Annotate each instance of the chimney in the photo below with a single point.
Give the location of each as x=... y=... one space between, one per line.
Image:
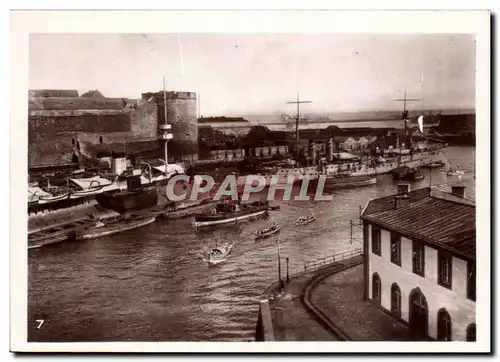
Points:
x=403 y=188
x=401 y=201
x=458 y=190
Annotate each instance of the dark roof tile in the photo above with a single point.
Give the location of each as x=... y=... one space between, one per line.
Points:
x=447 y=223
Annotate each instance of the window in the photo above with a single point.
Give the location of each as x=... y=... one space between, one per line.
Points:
x=376 y=247
x=418 y=258
x=444 y=269
x=396 y=300
x=471 y=280
x=73 y=141
x=396 y=249
x=376 y=288
x=100 y=139
x=443 y=326
x=471 y=333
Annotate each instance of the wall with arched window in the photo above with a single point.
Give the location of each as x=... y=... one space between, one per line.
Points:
x=470 y=335
x=376 y=288
x=444 y=326
x=395 y=300
x=462 y=310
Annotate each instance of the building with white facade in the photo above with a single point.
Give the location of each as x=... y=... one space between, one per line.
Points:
x=420 y=260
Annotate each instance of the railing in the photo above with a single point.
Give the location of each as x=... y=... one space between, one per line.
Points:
x=332 y=259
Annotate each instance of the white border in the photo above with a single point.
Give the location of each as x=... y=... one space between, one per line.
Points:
x=23 y=23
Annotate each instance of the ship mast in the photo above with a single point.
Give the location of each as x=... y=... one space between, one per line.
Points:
x=297 y=120
x=165 y=128
x=405 y=114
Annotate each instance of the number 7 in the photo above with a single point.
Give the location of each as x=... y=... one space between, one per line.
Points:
x=40 y=321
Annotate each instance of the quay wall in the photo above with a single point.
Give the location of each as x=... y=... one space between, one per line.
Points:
x=264 y=331
x=48 y=219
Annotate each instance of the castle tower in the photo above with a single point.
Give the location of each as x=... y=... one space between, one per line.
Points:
x=182 y=124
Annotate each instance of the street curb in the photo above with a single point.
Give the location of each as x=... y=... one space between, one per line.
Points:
x=317 y=313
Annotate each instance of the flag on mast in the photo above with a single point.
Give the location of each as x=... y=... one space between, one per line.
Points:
x=421 y=124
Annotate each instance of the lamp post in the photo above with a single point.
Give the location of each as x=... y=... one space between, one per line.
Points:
x=280 y=282
x=287 y=275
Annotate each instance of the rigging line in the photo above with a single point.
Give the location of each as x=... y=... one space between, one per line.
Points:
x=181 y=57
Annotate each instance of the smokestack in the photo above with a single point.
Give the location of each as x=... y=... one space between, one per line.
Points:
x=118 y=163
x=330 y=149
x=312 y=152
x=458 y=190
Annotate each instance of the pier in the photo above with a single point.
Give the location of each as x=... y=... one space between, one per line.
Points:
x=325 y=303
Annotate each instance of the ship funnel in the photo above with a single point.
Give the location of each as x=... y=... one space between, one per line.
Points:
x=330 y=149
x=118 y=163
x=312 y=152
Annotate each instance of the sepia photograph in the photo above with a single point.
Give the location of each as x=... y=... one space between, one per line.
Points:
x=272 y=186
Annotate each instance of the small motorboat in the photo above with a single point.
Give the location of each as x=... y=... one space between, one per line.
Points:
x=225 y=213
x=304 y=220
x=454 y=172
x=435 y=164
x=263 y=233
x=218 y=254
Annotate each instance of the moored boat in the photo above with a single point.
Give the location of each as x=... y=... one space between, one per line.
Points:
x=100 y=229
x=135 y=197
x=89 y=192
x=304 y=220
x=53 y=195
x=225 y=213
x=264 y=233
x=342 y=181
x=407 y=173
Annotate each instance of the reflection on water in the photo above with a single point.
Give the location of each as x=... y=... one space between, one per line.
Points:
x=151 y=284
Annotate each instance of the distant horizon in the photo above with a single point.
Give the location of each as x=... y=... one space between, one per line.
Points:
x=365 y=114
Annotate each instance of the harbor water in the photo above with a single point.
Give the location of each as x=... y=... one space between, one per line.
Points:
x=151 y=284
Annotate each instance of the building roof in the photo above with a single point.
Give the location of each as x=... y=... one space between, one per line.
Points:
x=447 y=222
x=73 y=103
x=53 y=93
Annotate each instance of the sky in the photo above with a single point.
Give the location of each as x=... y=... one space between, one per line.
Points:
x=258 y=73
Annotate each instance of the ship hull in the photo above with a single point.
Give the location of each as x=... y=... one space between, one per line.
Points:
x=356 y=169
x=123 y=202
x=115 y=228
x=208 y=220
x=350 y=182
